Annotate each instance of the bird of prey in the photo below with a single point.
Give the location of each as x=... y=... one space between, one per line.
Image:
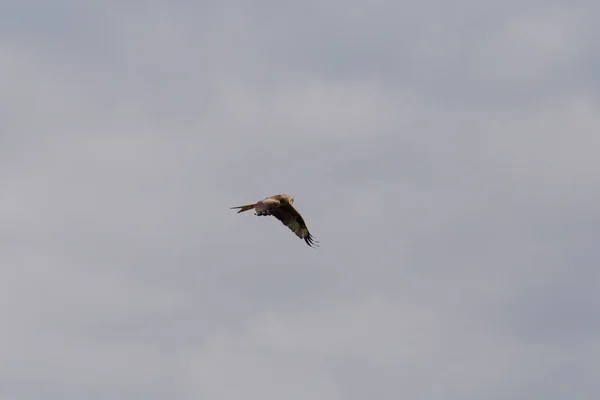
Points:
x=280 y=206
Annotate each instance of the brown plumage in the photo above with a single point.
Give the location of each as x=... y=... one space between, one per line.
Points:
x=280 y=206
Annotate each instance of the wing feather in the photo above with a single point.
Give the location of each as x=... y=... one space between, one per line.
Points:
x=265 y=206
x=291 y=218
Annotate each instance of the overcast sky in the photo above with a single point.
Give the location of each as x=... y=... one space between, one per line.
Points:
x=445 y=154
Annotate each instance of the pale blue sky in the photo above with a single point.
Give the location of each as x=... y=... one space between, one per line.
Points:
x=445 y=156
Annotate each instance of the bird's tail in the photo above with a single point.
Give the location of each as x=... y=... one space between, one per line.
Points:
x=244 y=208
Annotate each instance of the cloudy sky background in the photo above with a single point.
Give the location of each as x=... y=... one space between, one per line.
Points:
x=445 y=154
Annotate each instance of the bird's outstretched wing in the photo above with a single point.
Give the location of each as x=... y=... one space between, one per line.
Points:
x=289 y=216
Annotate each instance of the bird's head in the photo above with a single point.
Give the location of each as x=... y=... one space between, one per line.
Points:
x=285 y=199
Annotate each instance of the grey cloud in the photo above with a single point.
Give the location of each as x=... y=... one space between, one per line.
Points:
x=444 y=155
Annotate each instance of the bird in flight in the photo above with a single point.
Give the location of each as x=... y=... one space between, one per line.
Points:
x=280 y=206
